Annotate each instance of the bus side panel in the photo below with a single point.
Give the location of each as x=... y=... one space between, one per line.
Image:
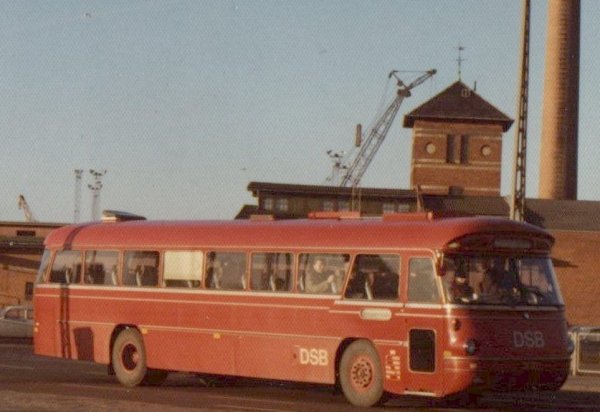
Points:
x=190 y=351
x=287 y=358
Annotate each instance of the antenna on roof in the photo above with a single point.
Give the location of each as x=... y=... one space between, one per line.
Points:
x=460 y=60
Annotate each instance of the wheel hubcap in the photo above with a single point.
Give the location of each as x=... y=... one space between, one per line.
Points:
x=361 y=373
x=130 y=357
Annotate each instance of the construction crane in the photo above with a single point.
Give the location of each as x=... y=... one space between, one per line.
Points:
x=376 y=136
x=517 y=205
x=26 y=210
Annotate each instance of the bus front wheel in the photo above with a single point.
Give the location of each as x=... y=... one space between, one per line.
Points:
x=129 y=361
x=360 y=374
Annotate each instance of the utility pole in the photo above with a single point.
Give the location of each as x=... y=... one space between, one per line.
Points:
x=517 y=206
x=96 y=187
x=77 y=208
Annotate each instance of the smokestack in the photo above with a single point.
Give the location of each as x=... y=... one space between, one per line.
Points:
x=558 y=160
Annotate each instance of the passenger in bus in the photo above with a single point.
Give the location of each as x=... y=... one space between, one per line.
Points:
x=461 y=291
x=318 y=279
x=214 y=275
x=496 y=283
x=357 y=287
x=384 y=284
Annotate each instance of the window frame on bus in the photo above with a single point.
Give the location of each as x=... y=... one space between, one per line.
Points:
x=115 y=274
x=183 y=282
x=368 y=284
x=332 y=289
x=139 y=277
x=271 y=285
x=209 y=280
x=66 y=281
x=439 y=298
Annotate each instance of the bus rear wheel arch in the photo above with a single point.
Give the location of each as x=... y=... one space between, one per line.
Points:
x=129 y=360
x=360 y=374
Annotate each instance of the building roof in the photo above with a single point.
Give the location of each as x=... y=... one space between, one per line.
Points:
x=458 y=103
x=298 y=189
x=550 y=214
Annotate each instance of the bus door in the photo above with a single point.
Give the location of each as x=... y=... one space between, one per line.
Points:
x=424 y=326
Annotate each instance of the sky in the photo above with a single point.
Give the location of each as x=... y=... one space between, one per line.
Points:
x=183 y=103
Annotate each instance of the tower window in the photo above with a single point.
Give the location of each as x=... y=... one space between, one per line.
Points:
x=457 y=149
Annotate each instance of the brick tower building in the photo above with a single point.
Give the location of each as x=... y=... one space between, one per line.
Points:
x=457 y=144
x=558 y=170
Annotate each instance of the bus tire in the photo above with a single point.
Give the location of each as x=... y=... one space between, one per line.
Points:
x=360 y=374
x=129 y=358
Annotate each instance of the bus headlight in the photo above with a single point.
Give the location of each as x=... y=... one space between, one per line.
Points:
x=470 y=347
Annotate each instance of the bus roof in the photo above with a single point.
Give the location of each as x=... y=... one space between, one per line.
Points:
x=394 y=232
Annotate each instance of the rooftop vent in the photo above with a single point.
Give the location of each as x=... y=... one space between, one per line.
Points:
x=110 y=216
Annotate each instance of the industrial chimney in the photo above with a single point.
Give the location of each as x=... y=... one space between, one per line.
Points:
x=558 y=161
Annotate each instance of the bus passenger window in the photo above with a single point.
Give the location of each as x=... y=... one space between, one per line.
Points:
x=101 y=267
x=183 y=269
x=140 y=268
x=271 y=271
x=322 y=273
x=226 y=270
x=66 y=267
x=374 y=277
x=422 y=285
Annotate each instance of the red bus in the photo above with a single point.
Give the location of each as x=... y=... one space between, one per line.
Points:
x=407 y=304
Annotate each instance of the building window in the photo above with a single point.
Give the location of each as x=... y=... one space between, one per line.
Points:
x=28 y=291
x=268 y=203
x=430 y=148
x=328 y=205
x=25 y=232
x=282 y=205
x=486 y=150
x=388 y=208
x=343 y=206
x=403 y=207
x=457 y=149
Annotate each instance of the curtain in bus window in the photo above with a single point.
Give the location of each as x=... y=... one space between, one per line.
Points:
x=182 y=269
x=374 y=277
x=66 y=267
x=422 y=285
x=271 y=271
x=140 y=268
x=226 y=270
x=101 y=267
x=322 y=273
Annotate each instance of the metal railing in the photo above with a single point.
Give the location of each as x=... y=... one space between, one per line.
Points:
x=586 y=356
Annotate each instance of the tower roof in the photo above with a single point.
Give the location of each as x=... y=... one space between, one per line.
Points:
x=458 y=103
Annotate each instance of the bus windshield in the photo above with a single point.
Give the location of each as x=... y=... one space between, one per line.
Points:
x=500 y=280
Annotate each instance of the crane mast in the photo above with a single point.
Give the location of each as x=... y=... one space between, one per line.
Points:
x=378 y=132
x=26 y=210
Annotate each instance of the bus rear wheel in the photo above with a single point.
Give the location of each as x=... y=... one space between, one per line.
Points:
x=360 y=374
x=129 y=361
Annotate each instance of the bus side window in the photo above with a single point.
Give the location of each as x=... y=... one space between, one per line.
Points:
x=322 y=273
x=422 y=285
x=140 y=268
x=226 y=270
x=66 y=268
x=100 y=267
x=183 y=269
x=374 y=277
x=271 y=271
